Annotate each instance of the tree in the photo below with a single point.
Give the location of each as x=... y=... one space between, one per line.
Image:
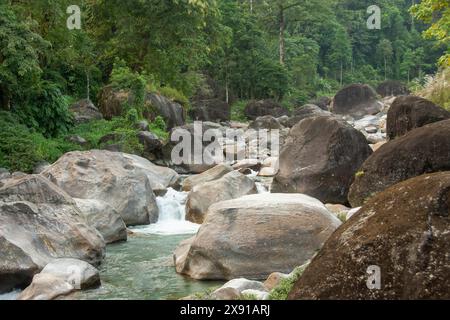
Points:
x=20 y=49
x=384 y=49
x=437 y=14
x=167 y=39
x=340 y=52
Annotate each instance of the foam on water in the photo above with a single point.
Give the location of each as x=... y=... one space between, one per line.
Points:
x=10 y=295
x=172 y=216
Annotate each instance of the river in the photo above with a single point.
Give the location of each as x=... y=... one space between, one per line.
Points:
x=142 y=268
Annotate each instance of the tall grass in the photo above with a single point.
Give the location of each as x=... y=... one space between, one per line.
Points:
x=437 y=88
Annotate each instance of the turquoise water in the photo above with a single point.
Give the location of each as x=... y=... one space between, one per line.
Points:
x=142 y=269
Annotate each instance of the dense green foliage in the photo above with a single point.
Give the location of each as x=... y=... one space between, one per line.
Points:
x=290 y=50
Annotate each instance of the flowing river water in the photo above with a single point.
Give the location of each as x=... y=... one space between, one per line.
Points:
x=142 y=268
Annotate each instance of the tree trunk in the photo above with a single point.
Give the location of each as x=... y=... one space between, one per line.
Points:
x=342 y=73
x=282 y=24
x=88 y=91
x=227 y=90
x=385 y=69
x=4 y=99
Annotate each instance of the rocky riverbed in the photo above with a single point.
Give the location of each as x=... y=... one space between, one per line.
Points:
x=341 y=195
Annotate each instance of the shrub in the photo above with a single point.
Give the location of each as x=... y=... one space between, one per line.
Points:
x=47 y=111
x=281 y=292
x=237 y=111
x=175 y=95
x=122 y=78
x=158 y=127
x=21 y=148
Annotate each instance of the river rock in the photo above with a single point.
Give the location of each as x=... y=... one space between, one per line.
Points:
x=40 y=167
x=214 y=110
x=392 y=88
x=38 y=223
x=410 y=112
x=75 y=139
x=286 y=230
x=255 y=109
x=322 y=102
x=242 y=284
x=193 y=132
x=320 y=158
x=422 y=150
x=61 y=277
x=126 y=182
x=274 y=280
x=265 y=122
x=304 y=112
x=212 y=174
x=172 y=112
x=227 y=294
x=405 y=231
x=103 y=217
x=4 y=174
x=150 y=141
x=231 y=186
x=356 y=100
x=85 y=111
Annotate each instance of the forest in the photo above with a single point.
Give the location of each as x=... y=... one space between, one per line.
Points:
x=287 y=50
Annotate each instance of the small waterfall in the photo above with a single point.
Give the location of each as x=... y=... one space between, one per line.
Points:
x=261 y=188
x=172 y=216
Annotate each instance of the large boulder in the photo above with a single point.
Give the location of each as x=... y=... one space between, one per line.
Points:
x=320 y=159
x=255 y=109
x=172 y=112
x=214 y=110
x=231 y=186
x=124 y=181
x=322 y=102
x=404 y=231
x=212 y=174
x=111 y=101
x=85 y=111
x=410 y=112
x=304 y=112
x=38 y=223
x=357 y=101
x=193 y=133
x=61 y=277
x=265 y=122
x=392 y=88
x=152 y=144
x=103 y=217
x=254 y=236
x=423 y=150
